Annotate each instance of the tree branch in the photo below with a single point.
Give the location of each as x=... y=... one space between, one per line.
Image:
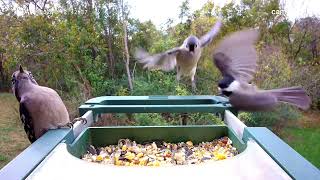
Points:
x=300 y=45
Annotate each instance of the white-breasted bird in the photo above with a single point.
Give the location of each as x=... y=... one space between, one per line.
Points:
x=185 y=58
x=236 y=58
x=41 y=108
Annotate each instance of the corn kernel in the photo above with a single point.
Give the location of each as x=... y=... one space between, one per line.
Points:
x=156 y=163
x=221 y=156
x=189 y=143
x=118 y=163
x=99 y=158
x=124 y=148
x=139 y=155
x=130 y=156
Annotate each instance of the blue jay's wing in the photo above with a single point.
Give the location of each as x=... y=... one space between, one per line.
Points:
x=27 y=122
x=236 y=55
x=165 y=61
x=207 y=38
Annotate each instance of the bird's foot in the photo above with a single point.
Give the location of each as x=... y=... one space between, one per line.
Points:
x=71 y=123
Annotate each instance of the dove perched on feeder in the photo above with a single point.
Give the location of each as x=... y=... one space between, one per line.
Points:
x=185 y=58
x=40 y=107
x=236 y=58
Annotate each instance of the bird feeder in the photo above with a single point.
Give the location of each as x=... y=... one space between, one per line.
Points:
x=262 y=155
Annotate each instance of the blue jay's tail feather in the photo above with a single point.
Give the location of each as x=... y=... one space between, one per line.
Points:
x=293 y=95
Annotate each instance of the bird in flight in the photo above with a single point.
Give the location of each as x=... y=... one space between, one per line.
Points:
x=236 y=58
x=184 y=58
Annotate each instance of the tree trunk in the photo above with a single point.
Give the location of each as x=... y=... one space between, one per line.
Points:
x=1 y=72
x=108 y=37
x=86 y=84
x=125 y=37
x=300 y=45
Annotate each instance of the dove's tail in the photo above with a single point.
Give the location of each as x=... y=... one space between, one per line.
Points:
x=296 y=96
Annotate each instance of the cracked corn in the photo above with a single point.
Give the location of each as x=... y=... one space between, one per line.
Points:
x=129 y=153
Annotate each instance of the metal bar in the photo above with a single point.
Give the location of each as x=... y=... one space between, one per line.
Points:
x=22 y=165
x=234 y=123
x=78 y=127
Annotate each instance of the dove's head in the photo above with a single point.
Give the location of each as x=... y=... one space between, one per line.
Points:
x=192 y=43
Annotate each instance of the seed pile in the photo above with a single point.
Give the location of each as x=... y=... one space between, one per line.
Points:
x=129 y=153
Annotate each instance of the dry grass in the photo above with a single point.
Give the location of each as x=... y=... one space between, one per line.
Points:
x=13 y=139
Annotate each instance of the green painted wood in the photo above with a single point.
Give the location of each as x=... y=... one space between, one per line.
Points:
x=98 y=109
x=290 y=161
x=238 y=143
x=120 y=100
x=102 y=136
x=156 y=104
x=21 y=166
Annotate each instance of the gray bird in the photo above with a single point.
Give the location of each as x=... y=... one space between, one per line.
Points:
x=236 y=58
x=185 y=58
x=41 y=108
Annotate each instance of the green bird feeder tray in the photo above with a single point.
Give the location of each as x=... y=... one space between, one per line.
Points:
x=57 y=154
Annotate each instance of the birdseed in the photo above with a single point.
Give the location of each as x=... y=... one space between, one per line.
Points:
x=129 y=153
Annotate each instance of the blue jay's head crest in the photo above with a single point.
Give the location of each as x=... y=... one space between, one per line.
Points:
x=192 y=43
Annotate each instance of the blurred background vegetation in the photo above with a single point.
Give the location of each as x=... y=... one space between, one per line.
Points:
x=78 y=48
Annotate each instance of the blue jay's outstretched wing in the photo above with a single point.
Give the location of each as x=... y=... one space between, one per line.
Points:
x=207 y=38
x=165 y=61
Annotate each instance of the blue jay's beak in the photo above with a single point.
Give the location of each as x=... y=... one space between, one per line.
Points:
x=191 y=47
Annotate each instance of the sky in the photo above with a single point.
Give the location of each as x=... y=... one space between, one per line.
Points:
x=159 y=11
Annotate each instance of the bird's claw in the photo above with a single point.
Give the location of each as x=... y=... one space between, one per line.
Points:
x=70 y=124
x=83 y=120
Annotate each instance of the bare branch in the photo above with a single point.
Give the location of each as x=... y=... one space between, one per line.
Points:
x=300 y=44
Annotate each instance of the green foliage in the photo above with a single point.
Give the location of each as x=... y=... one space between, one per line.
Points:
x=204 y=119
x=269 y=119
x=70 y=48
x=274 y=69
x=3 y=158
x=150 y=119
x=305 y=141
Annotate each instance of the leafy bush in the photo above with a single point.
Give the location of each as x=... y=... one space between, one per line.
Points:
x=149 y=119
x=281 y=113
x=146 y=119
